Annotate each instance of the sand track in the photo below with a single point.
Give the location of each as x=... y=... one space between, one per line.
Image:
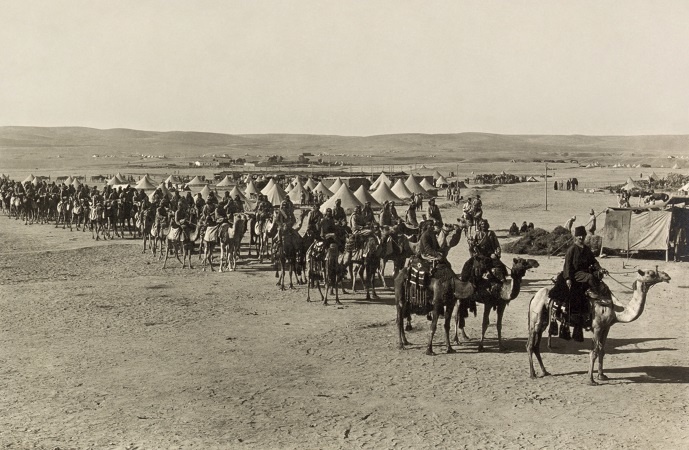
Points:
x=101 y=348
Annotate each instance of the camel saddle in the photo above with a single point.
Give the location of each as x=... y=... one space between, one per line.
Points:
x=572 y=307
x=419 y=280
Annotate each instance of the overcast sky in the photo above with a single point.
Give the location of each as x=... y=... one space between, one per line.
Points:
x=348 y=67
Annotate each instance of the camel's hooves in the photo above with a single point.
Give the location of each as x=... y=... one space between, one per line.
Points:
x=481 y=349
x=592 y=383
x=545 y=374
x=408 y=328
x=603 y=377
x=430 y=353
x=337 y=302
x=451 y=350
x=401 y=347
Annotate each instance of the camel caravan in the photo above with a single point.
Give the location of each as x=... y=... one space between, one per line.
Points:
x=337 y=237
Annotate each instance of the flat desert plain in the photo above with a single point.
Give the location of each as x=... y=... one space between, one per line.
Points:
x=102 y=348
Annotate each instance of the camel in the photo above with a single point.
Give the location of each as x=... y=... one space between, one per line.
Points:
x=144 y=223
x=444 y=287
x=96 y=221
x=176 y=238
x=604 y=315
x=211 y=236
x=64 y=213
x=487 y=295
x=230 y=241
x=324 y=264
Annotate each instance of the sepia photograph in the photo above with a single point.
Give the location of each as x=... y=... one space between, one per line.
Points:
x=344 y=224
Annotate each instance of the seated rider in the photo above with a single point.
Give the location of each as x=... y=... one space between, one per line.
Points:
x=485 y=252
x=286 y=216
x=356 y=220
x=315 y=217
x=160 y=218
x=429 y=248
x=339 y=214
x=367 y=214
x=581 y=266
x=329 y=229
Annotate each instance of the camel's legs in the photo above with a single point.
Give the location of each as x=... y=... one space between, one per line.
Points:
x=596 y=348
x=484 y=326
x=402 y=338
x=604 y=338
x=533 y=344
x=434 y=326
x=498 y=326
x=459 y=325
x=448 y=324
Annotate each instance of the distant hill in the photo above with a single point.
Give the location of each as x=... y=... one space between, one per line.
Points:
x=444 y=147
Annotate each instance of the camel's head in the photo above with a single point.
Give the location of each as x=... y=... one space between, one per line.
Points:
x=652 y=277
x=521 y=265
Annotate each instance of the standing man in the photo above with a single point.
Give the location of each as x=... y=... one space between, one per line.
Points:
x=591 y=224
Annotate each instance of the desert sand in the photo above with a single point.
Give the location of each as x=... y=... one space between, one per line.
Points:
x=102 y=348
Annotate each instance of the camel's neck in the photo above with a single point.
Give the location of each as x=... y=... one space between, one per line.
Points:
x=510 y=290
x=636 y=306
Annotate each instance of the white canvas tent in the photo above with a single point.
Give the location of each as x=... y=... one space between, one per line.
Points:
x=115 y=180
x=400 y=190
x=310 y=184
x=227 y=181
x=382 y=178
x=349 y=201
x=295 y=193
x=276 y=195
x=441 y=182
x=173 y=179
x=336 y=185
x=235 y=192
x=251 y=189
x=268 y=186
x=29 y=179
x=196 y=181
x=630 y=185
x=364 y=196
x=384 y=194
x=320 y=187
x=426 y=185
x=414 y=187
x=145 y=183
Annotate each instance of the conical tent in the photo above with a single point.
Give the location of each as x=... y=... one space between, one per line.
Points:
x=364 y=196
x=295 y=193
x=76 y=183
x=205 y=192
x=235 y=192
x=441 y=181
x=349 y=201
x=35 y=181
x=196 y=181
x=145 y=183
x=251 y=188
x=29 y=179
x=289 y=188
x=336 y=185
x=115 y=180
x=531 y=179
x=400 y=190
x=382 y=178
x=654 y=177
x=675 y=166
x=384 y=194
x=320 y=187
x=268 y=186
x=426 y=185
x=276 y=195
x=227 y=181
x=310 y=184
x=173 y=179
x=437 y=175
x=69 y=180
x=414 y=186
x=163 y=188
x=630 y=185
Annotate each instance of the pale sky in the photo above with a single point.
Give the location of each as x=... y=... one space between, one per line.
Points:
x=348 y=67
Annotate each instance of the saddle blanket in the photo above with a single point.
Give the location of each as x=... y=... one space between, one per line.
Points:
x=211 y=234
x=174 y=234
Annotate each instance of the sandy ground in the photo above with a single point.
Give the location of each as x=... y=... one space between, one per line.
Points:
x=101 y=348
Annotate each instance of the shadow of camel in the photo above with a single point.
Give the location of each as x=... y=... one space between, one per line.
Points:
x=612 y=347
x=651 y=374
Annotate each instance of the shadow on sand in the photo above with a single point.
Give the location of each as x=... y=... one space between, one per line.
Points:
x=650 y=374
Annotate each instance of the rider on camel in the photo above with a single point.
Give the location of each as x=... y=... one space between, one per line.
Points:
x=429 y=248
x=367 y=214
x=356 y=220
x=485 y=252
x=434 y=212
x=339 y=214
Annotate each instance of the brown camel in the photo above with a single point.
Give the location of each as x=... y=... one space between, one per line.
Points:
x=444 y=286
x=493 y=296
x=604 y=314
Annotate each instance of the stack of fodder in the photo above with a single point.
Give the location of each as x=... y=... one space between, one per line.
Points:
x=540 y=242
